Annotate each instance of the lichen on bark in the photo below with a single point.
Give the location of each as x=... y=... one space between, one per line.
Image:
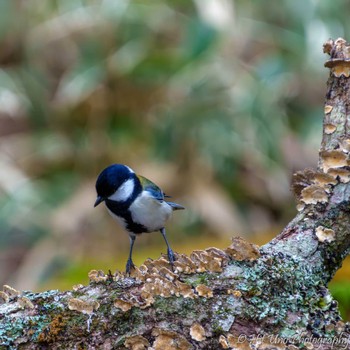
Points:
x=242 y=297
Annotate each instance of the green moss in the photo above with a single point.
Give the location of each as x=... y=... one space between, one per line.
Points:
x=217 y=330
x=124 y=322
x=166 y=307
x=200 y=278
x=115 y=293
x=275 y=286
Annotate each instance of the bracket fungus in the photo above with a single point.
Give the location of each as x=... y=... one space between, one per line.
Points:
x=241 y=250
x=123 y=305
x=76 y=287
x=325 y=234
x=235 y=293
x=339 y=63
x=84 y=306
x=328 y=109
x=184 y=264
x=137 y=342
x=205 y=262
x=156 y=279
x=204 y=291
x=185 y=290
x=342 y=174
x=169 y=340
x=333 y=159
x=344 y=144
x=314 y=194
x=339 y=67
x=4 y=298
x=11 y=292
x=197 y=332
x=25 y=303
x=231 y=342
x=223 y=342
x=324 y=180
x=329 y=128
x=312 y=187
x=97 y=276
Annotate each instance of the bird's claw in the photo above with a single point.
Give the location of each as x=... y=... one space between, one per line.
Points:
x=171 y=257
x=129 y=265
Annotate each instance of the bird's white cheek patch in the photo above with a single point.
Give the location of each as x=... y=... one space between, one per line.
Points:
x=124 y=192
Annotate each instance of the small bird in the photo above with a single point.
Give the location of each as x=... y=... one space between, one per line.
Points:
x=136 y=203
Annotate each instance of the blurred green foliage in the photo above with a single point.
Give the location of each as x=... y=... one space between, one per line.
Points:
x=217 y=101
x=340 y=292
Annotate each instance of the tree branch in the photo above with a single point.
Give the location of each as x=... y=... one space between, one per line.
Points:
x=240 y=297
x=320 y=232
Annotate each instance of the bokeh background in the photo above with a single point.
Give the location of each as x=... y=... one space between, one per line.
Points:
x=217 y=101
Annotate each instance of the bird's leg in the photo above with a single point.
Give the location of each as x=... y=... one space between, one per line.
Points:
x=171 y=255
x=129 y=263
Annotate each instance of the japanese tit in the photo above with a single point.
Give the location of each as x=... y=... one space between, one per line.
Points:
x=136 y=203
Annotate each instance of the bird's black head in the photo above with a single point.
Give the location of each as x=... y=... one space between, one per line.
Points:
x=110 y=179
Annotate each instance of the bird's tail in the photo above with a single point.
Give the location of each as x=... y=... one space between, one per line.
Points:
x=176 y=206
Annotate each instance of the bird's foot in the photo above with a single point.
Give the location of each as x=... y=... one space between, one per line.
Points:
x=129 y=265
x=171 y=257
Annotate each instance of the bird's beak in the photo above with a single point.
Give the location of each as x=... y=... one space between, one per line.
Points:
x=99 y=199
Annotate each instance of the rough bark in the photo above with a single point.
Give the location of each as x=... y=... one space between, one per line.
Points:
x=275 y=297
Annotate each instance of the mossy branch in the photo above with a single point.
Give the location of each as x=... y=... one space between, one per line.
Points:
x=320 y=232
x=241 y=297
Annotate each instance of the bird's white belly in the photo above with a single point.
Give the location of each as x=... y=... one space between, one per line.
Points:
x=150 y=212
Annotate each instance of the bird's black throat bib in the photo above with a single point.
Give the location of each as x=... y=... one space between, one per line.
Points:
x=121 y=209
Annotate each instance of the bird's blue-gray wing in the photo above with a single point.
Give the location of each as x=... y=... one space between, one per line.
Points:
x=175 y=206
x=156 y=192
x=151 y=187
